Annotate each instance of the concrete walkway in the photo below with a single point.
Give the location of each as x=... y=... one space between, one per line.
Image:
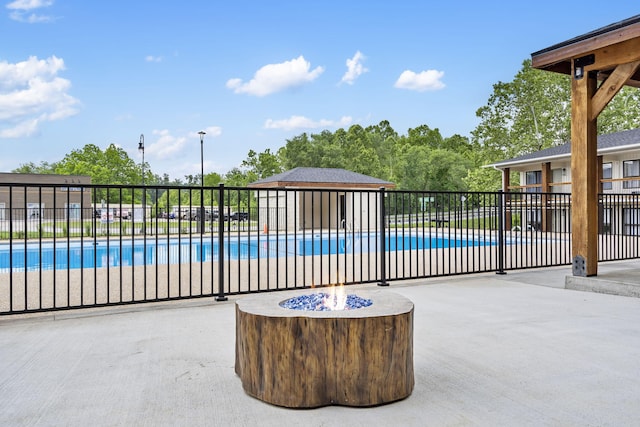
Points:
x=489 y=350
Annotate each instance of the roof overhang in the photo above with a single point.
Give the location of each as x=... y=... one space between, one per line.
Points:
x=322 y=185
x=537 y=160
x=620 y=41
x=559 y=157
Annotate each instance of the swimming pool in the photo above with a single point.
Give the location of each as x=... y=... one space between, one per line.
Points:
x=115 y=253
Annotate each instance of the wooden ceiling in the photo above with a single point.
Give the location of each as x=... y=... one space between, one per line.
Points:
x=610 y=46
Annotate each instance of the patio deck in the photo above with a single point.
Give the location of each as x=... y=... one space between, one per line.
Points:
x=516 y=349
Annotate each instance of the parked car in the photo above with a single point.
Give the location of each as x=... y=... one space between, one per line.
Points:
x=170 y=215
x=195 y=215
x=123 y=214
x=240 y=216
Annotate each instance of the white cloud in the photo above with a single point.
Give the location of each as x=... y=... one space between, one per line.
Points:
x=354 y=68
x=426 y=80
x=168 y=146
x=301 y=122
x=20 y=9
x=32 y=93
x=276 y=77
x=29 y=4
x=151 y=58
x=211 y=131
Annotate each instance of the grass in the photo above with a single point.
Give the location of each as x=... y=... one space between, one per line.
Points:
x=90 y=228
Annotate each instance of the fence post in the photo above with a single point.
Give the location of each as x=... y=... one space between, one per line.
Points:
x=501 y=208
x=221 y=224
x=383 y=249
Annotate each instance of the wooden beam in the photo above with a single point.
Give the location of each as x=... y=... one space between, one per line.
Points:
x=611 y=56
x=551 y=56
x=611 y=86
x=584 y=177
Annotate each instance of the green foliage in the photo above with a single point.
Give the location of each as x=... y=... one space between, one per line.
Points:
x=533 y=112
x=262 y=165
x=422 y=168
x=43 y=168
x=622 y=113
x=483 y=179
x=527 y=114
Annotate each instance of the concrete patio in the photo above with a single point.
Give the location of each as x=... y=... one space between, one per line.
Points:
x=489 y=350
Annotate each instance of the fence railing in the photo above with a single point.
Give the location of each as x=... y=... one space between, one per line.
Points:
x=99 y=245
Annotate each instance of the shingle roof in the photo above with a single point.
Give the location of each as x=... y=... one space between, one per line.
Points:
x=608 y=142
x=307 y=177
x=598 y=32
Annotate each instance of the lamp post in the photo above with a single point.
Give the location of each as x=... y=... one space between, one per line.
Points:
x=144 y=190
x=202 y=213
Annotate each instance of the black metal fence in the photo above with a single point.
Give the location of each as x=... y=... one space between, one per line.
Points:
x=96 y=245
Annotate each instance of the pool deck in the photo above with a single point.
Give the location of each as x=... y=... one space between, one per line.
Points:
x=489 y=350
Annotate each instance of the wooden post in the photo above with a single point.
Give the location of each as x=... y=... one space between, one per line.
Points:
x=584 y=176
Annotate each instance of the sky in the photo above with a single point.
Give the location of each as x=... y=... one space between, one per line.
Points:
x=253 y=74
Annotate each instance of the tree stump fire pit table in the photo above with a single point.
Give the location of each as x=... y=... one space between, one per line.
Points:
x=300 y=358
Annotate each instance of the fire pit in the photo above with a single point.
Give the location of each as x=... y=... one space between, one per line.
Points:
x=306 y=358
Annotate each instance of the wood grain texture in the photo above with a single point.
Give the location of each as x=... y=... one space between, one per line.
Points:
x=300 y=359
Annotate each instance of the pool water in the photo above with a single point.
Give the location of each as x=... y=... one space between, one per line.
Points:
x=114 y=253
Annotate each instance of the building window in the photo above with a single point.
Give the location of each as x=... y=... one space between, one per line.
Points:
x=607 y=174
x=559 y=176
x=631 y=221
x=534 y=178
x=631 y=168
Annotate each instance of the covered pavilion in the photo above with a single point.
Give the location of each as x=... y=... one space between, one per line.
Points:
x=600 y=63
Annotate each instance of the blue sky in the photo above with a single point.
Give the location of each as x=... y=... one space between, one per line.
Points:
x=253 y=74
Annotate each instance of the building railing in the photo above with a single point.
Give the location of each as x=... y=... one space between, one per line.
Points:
x=110 y=245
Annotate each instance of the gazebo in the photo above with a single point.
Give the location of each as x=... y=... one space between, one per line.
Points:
x=610 y=55
x=318 y=198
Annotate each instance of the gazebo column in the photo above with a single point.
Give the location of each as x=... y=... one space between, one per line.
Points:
x=584 y=176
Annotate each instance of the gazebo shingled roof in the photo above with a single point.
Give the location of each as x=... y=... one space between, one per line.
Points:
x=321 y=177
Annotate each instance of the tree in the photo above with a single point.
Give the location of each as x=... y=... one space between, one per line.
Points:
x=528 y=114
x=298 y=152
x=436 y=170
x=42 y=168
x=533 y=112
x=262 y=165
x=109 y=167
x=622 y=112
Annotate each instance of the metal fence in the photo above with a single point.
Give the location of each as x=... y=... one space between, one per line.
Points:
x=100 y=245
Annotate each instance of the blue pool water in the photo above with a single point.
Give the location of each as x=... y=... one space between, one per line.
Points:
x=113 y=253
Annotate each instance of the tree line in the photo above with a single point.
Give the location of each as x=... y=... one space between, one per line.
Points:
x=530 y=113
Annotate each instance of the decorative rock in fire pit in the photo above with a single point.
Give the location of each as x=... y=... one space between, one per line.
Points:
x=305 y=358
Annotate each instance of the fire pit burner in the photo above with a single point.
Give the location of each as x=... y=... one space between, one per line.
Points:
x=322 y=301
x=308 y=358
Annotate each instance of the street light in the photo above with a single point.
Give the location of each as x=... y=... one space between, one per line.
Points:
x=202 y=134
x=144 y=190
x=141 y=149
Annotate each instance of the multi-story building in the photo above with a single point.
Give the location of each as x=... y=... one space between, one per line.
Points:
x=549 y=171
